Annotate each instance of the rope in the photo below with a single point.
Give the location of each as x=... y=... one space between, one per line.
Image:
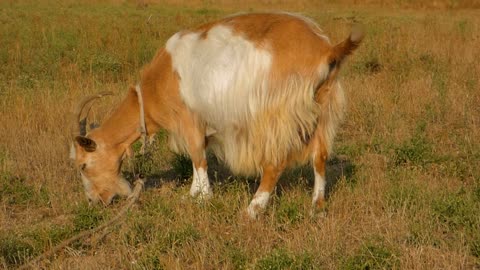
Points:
x=139 y=183
x=143 y=128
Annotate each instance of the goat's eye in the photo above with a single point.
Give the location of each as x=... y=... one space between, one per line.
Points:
x=83 y=166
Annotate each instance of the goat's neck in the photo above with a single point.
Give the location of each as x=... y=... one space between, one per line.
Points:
x=162 y=105
x=122 y=127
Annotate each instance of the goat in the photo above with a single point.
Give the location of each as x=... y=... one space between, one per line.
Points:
x=260 y=89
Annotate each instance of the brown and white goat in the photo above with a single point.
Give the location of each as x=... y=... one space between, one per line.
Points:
x=262 y=89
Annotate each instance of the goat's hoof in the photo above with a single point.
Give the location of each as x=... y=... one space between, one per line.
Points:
x=316 y=213
x=253 y=212
x=204 y=196
x=199 y=196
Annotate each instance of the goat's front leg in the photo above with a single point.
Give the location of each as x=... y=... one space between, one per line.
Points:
x=194 y=135
x=201 y=183
x=196 y=147
x=270 y=177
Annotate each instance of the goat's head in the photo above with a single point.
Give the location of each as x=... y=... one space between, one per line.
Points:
x=98 y=161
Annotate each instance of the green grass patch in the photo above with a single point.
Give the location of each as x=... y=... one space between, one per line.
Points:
x=237 y=257
x=158 y=206
x=17 y=247
x=150 y=259
x=416 y=151
x=144 y=224
x=372 y=255
x=44 y=238
x=143 y=230
x=452 y=218
x=14 y=191
x=57 y=234
x=476 y=192
x=143 y=162
x=103 y=63
x=350 y=150
x=474 y=244
x=289 y=211
x=368 y=65
x=404 y=196
x=221 y=209
x=14 y=250
x=87 y=217
x=280 y=258
x=457 y=210
x=177 y=238
x=208 y=11
x=422 y=232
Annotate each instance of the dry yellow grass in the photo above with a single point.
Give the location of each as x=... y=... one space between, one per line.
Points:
x=405 y=190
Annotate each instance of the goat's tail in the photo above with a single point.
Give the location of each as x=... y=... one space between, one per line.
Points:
x=346 y=47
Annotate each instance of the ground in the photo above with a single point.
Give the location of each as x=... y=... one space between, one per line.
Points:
x=404 y=182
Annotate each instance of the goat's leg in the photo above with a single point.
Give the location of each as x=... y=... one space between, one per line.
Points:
x=270 y=177
x=196 y=147
x=320 y=156
x=201 y=183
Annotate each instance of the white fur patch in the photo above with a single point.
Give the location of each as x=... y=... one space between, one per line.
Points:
x=87 y=184
x=258 y=203
x=194 y=188
x=319 y=187
x=204 y=183
x=200 y=184
x=220 y=75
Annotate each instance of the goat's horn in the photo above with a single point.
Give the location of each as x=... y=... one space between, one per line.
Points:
x=85 y=103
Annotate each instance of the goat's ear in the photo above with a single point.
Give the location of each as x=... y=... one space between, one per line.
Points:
x=86 y=143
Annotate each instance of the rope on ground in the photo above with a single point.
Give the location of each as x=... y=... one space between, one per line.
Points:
x=139 y=183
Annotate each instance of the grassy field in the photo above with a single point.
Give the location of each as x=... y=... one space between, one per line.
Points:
x=404 y=185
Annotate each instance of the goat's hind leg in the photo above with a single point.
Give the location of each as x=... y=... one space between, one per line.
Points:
x=320 y=155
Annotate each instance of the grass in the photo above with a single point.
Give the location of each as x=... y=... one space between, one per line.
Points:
x=404 y=188
x=372 y=256
x=281 y=259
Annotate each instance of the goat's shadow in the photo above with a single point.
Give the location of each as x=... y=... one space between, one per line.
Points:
x=337 y=167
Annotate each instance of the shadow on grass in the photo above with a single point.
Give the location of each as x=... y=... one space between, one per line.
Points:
x=337 y=167
x=181 y=172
